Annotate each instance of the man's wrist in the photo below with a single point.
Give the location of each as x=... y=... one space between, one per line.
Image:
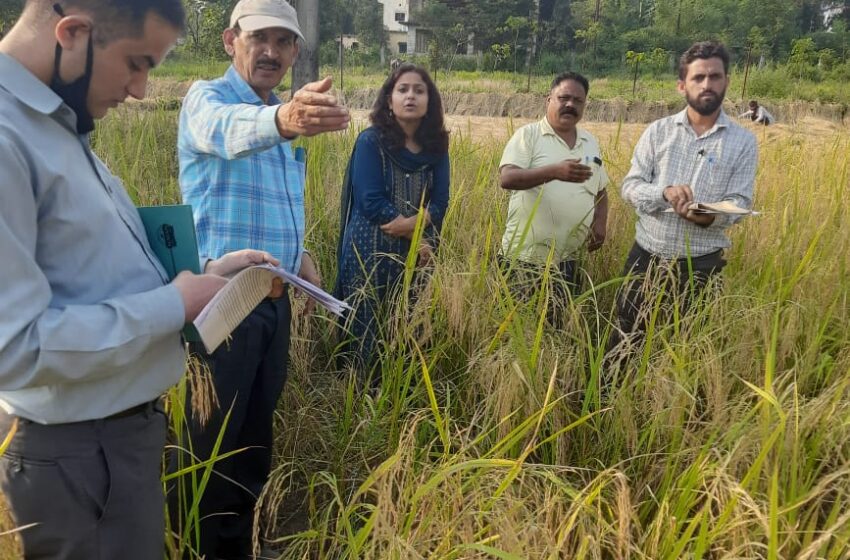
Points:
x=286 y=134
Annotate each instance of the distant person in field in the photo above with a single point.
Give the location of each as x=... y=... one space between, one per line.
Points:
x=559 y=202
x=697 y=155
x=399 y=168
x=238 y=171
x=758 y=114
x=90 y=328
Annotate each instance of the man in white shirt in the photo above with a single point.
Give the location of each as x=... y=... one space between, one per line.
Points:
x=558 y=205
x=758 y=114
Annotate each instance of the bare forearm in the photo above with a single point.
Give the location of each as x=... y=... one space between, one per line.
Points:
x=600 y=210
x=516 y=179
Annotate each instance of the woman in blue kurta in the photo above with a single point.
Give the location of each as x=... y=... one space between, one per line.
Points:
x=399 y=165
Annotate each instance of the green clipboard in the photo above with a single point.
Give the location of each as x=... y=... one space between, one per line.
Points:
x=171 y=234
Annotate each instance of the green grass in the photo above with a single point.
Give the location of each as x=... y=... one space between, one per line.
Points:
x=769 y=84
x=728 y=437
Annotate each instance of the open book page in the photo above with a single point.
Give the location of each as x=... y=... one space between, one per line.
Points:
x=722 y=207
x=231 y=305
x=243 y=293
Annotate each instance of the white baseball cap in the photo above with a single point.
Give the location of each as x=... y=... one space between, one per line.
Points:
x=263 y=14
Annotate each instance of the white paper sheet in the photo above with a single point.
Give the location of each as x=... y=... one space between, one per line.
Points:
x=243 y=293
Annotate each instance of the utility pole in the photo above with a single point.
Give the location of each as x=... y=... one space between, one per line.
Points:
x=746 y=74
x=306 y=68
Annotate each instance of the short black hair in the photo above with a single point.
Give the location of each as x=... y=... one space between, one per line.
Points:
x=121 y=18
x=574 y=76
x=703 y=50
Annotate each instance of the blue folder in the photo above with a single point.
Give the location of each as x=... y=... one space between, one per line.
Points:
x=171 y=234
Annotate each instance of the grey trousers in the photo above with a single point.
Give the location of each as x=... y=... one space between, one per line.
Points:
x=92 y=489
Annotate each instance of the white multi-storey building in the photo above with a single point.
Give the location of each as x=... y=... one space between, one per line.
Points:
x=403 y=36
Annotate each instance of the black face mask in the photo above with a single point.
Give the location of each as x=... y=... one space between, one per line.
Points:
x=74 y=93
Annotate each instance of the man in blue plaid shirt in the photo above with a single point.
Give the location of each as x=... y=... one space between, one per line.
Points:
x=246 y=189
x=696 y=155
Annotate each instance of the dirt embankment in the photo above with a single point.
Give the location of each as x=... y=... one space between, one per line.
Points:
x=531 y=105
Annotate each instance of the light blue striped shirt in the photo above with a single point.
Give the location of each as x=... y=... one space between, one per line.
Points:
x=89 y=325
x=718 y=165
x=240 y=176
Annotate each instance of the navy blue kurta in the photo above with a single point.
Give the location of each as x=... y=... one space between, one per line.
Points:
x=381 y=184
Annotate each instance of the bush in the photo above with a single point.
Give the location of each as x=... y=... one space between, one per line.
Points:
x=840 y=72
x=555 y=63
x=464 y=63
x=328 y=54
x=769 y=82
x=366 y=57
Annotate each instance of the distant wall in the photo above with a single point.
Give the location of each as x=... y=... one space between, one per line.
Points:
x=532 y=105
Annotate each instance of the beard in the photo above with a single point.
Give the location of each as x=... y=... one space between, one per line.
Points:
x=708 y=104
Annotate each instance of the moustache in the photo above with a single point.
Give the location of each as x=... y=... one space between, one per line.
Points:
x=569 y=111
x=272 y=63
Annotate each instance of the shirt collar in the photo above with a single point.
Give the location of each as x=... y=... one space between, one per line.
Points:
x=722 y=120
x=28 y=89
x=547 y=130
x=245 y=92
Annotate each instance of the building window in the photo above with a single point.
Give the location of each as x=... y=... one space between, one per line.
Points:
x=402 y=48
x=400 y=16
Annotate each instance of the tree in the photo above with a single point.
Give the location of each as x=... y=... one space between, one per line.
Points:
x=803 y=57
x=449 y=29
x=369 y=23
x=517 y=26
x=9 y=12
x=635 y=58
x=205 y=20
x=557 y=31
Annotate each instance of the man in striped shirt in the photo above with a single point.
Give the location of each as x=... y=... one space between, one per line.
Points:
x=246 y=189
x=697 y=155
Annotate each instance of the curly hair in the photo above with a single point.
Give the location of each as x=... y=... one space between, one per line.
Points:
x=431 y=134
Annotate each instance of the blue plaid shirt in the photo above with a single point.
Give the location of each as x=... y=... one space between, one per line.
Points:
x=239 y=175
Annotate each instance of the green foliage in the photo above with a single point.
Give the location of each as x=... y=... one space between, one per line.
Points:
x=554 y=63
x=369 y=23
x=363 y=18
x=501 y=52
x=518 y=27
x=9 y=12
x=205 y=21
x=802 y=59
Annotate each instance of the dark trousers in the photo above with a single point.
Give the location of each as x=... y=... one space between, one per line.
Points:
x=248 y=373
x=525 y=280
x=91 y=489
x=683 y=280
